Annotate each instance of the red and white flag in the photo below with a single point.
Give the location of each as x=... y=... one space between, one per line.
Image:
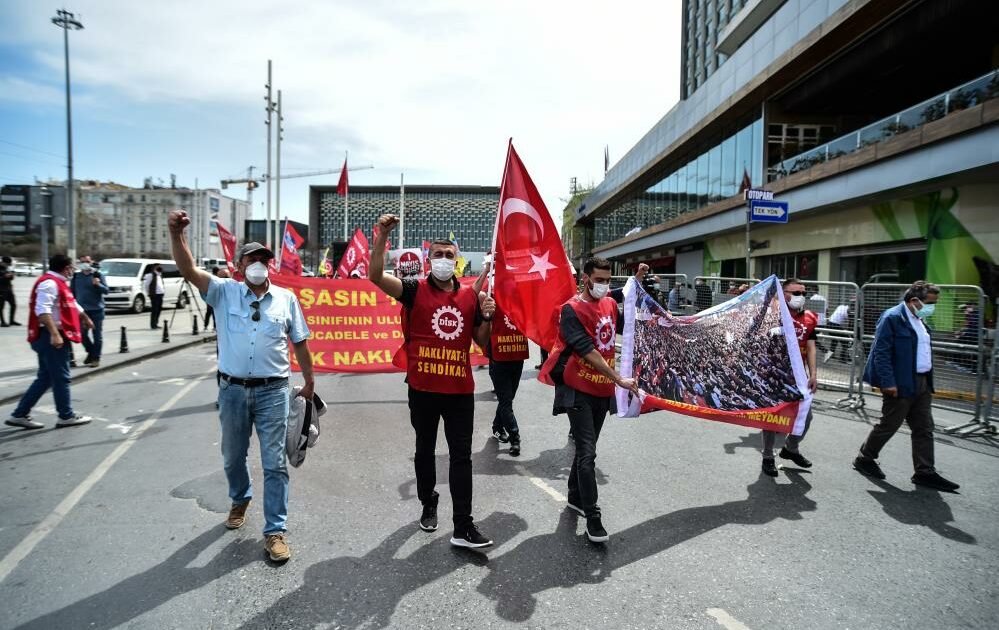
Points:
x=228 y=241
x=291 y=263
x=341 y=186
x=532 y=275
x=356 y=258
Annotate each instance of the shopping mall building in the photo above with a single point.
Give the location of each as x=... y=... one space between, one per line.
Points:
x=875 y=120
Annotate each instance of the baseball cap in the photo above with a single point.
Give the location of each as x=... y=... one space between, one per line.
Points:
x=252 y=248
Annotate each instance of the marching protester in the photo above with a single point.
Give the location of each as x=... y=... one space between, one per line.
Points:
x=804 y=329
x=901 y=366
x=507 y=351
x=581 y=366
x=54 y=318
x=89 y=289
x=258 y=320
x=440 y=319
x=152 y=284
x=7 y=291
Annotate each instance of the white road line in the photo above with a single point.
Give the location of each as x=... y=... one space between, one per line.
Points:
x=541 y=483
x=726 y=620
x=28 y=544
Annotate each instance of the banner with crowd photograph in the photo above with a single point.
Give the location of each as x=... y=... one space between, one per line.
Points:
x=353 y=325
x=737 y=362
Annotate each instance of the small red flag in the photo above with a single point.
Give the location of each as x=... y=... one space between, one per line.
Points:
x=228 y=241
x=746 y=182
x=356 y=257
x=341 y=187
x=533 y=277
x=290 y=261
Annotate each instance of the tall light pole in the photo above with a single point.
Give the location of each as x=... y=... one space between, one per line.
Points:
x=270 y=113
x=66 y=21
x=277 y=180
x=45 y=216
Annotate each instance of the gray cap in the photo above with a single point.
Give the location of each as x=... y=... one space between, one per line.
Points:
x=252 y=248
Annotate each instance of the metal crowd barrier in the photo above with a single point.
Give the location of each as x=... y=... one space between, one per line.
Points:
x=958 y=343
x=839 y=360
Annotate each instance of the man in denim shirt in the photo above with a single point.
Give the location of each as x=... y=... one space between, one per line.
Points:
x=255 y=320
x=89 y=289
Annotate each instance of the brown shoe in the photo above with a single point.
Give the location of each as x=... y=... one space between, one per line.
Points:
x=277 y=547
x=237 y=515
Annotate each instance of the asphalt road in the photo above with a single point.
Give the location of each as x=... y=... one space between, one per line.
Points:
x=119 y=523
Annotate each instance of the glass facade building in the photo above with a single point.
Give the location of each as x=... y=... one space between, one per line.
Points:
x=703 y=20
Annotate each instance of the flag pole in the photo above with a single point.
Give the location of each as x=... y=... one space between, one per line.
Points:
x=346 y=199
x=281 y=249
x=402 y=212
x=499 y=211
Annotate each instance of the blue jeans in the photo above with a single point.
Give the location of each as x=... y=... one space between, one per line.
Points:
x=95 y=346
x=266 y=407
x=53 y=371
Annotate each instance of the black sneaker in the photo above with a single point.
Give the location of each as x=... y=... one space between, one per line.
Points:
x=868 y=467
x=470 y=537
x=935 y=481
x=428 y=520
x=595 y=530
x=501 y=435
x=514 y=449
x=797 y=458
x=769 y=467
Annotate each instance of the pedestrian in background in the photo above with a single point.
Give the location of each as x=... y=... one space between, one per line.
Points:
x=253 y=375
x=439 y=321
x=209 y=311
x=54 y=320
x=89 y=289
x=7 y=292
x=901 y=365
x=152 y=284
x=507 y=350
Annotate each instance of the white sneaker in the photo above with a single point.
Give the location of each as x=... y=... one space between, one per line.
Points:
x=24 y=423
x=72 y=422
x=826 y=356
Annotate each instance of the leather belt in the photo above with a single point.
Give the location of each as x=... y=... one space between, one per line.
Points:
x=251 y=382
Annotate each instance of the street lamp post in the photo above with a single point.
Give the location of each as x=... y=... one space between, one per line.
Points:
x=45 y=216
x=66 y=21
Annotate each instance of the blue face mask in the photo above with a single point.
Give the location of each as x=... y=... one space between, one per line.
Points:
x=926 y=311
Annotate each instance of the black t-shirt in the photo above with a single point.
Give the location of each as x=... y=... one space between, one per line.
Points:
x=5 y=280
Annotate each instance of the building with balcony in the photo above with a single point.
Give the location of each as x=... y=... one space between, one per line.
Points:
x=875 y=120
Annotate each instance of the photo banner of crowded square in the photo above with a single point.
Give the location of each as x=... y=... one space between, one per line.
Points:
x=737 y=362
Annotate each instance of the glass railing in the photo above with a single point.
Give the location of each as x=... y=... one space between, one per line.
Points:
x=962 y=97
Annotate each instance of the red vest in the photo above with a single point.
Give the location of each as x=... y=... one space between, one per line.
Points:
x=506 y=343
x=438 y=336
x=68 y=315
x=804 y=327
x=599 y=319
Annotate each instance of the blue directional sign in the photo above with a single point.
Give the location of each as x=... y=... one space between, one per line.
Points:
x=768 y=211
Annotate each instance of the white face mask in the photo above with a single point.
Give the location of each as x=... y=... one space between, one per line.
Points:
x=599 y=289
x=796 y=303
x=442 y=268
x=256 y=273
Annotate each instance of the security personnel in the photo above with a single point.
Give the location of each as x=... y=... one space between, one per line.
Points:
x=440 y=319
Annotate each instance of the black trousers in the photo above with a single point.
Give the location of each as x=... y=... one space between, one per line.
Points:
x=425 y=412
x=506 y=379
x=209 y=311
x=7 y=297
x=156 y=302
x=586 y=418
x=914 y=410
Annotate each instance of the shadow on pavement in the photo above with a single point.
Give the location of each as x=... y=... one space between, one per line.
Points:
x=920 y=506
x=208 y=490
x=564 y=559
x=145 y=591
x=753 y=441
x=553 y=464
x=354 y=592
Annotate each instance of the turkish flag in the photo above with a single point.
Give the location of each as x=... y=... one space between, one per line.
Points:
x=341 y=187
x=228 y=241
x=356 y=257
x=291 y=263
x=532 y=276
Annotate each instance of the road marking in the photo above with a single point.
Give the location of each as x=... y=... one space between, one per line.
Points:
x=541 y=483
x=726 y=620
x=27 y=545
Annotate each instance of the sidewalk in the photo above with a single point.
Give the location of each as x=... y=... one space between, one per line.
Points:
x=19 y=362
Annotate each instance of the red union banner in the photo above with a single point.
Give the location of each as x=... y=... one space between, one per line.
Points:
x=354 y=326
x=737 y=362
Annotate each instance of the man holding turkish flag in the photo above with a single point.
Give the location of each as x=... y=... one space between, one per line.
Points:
x=532 y=276
x=356 y=258
x=291 y=263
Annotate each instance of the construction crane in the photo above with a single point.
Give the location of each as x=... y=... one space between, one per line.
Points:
x=254 y=182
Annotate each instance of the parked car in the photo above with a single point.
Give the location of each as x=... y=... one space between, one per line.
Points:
x=24 y=269
x=125 y=291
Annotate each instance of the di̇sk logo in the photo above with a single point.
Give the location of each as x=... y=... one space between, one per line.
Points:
x=605 y=333
x=509 y=324
x=351 y=256
x=447 y=323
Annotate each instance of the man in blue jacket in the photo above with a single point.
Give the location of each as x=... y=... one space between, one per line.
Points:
x=901 y=365
x=89 y=289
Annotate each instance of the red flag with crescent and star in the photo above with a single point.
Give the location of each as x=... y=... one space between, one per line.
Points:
x=532 y=275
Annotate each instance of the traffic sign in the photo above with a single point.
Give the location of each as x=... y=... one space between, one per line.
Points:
x=768 y=211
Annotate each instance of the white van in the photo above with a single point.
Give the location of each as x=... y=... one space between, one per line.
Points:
x=124 y=279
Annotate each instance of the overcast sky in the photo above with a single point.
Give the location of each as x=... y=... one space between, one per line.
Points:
x=432 y=89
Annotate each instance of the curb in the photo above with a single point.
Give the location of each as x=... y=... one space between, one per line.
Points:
x=83 y=376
